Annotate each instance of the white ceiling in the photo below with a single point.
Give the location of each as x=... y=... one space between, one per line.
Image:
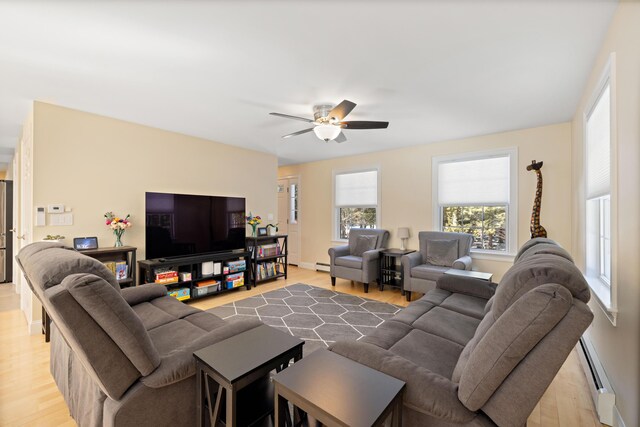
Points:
x=436 y=70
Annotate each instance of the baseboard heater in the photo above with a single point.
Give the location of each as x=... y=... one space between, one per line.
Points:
x=321 y=266
x=601 y=392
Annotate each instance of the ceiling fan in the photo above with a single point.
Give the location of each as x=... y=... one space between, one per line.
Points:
x=328 y=122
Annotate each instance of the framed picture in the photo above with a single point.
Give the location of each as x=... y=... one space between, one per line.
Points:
x=262 y=231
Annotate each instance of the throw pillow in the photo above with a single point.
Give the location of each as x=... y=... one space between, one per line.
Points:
x=364 y=244
x=442 y=252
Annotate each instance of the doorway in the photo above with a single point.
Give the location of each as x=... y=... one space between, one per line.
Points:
x=289 y=215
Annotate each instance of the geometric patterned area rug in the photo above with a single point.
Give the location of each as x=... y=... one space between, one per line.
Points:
x=318 y=316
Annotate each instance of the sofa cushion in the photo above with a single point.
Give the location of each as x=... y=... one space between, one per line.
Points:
x=534 y=271
x=48 y=265
x=428 y=272
x=350 y=261
x=437 y=354
x=466 y=304
x=112 y=313
x=442 y=252
x=448 y=324
x=509 y=340
x=364 y=244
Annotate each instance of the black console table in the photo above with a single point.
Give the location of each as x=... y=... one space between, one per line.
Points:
x=192 y=280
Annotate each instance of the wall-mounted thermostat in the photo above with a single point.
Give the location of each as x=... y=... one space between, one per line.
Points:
x=40 y=217
x=55 y=209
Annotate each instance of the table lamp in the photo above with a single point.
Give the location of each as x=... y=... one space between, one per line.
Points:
x=403 y=234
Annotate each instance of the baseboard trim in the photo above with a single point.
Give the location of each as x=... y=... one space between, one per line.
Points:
x=307 y=265
x=35 y=327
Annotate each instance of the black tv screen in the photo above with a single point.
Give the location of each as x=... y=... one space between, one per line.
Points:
x=183 y=224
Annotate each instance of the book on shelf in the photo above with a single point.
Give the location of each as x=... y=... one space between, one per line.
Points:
x=111 y=265
x=267 y=269
x=166 y=276
x=122 y=270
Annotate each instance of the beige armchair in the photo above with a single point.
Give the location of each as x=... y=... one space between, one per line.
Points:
x=439 y=251
x=359 y=260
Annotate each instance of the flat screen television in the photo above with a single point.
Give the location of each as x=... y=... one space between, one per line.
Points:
x=180 y=225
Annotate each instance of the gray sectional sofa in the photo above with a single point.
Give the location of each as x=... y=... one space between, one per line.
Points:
x=119 y=357
x=476 y=354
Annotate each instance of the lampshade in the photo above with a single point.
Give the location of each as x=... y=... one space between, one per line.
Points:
x=327 y=132
x=403 y=232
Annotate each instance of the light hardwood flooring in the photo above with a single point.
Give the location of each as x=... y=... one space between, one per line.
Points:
x=29 y=397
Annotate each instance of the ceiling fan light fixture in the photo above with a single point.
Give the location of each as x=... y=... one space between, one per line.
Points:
x=327 y=132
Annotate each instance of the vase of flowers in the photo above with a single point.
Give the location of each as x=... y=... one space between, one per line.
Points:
x=253 y=221
x=118 y=225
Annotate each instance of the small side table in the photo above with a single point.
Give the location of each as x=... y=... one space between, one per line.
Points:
x=469 y=273
x=391 y=273
x=338 y=391
x=240 y=366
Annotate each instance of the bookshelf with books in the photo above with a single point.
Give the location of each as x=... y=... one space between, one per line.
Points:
x=268 y=257
x=120 y=260
x=197 y=276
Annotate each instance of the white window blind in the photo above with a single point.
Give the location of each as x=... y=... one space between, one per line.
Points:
x=474 y=182
x=357 y=189
x=598 y=131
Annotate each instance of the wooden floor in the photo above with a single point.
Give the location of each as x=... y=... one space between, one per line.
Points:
x=29 y=397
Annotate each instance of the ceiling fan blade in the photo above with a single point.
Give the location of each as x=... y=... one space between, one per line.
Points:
x=300 y=132
x=287 y=116
x=364 y=125
x=340 y=138
x=341 y=110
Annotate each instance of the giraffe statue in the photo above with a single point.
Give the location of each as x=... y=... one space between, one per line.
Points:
x=536 y=229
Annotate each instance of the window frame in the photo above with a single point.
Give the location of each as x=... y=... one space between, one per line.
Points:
x=605 y=291
x=511 y=209
x=336 y=209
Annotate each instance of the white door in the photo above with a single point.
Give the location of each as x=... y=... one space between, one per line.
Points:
x=289 y=216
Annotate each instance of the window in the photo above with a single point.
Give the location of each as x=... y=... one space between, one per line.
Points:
x=476 y=194
x=355 y=201
x=598 y=204
x=293 y=204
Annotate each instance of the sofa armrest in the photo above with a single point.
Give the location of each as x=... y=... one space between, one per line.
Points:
x=462 y=263
x=335 y=252
x=467 y=286
x=338 y=251
x=370 y=265
x=426 y=392
x=143 y=293
x=180 y=363
x=408 y=262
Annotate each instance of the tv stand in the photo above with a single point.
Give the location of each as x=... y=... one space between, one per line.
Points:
x=200 y=283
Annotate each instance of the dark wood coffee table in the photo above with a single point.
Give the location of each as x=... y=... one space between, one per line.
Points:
x=338 y=392
x=240 y=368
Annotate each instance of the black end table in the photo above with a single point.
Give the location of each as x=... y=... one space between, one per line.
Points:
x=391 y=273
x=337 y=391
x=240 y=367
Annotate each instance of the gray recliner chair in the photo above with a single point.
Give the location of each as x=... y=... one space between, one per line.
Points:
x=359 y=260
x=439 y=251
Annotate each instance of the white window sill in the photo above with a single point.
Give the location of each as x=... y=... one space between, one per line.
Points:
x=492 y=256
x=602 y=294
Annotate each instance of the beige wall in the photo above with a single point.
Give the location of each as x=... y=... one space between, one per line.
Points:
x=94 y=164
x=618 y=347
x=406 y=188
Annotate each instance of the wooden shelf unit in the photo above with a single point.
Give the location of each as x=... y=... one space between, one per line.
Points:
x=116 y=254
x=260 y=261
x=193 y=265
